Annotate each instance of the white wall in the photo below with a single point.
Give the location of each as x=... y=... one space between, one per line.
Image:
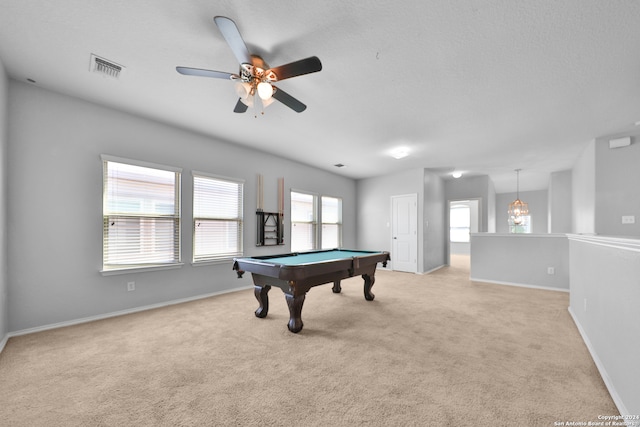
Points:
x=4 y=137
x=538 y=209
x=521 y=259
x=55 y=206
x=604 y=303
x=583 y=201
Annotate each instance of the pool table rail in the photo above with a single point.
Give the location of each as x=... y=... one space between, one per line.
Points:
x=298 y=272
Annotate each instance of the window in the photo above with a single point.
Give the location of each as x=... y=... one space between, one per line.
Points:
x=524 y=226
x=141 y=214
x=459 y=224
x=331 y=222
x=303 y=221
x=217 y=217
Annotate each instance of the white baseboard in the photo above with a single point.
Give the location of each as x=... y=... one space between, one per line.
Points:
x=115 y=314
x=420 y=273
x=4 y=342
x=521 y=285
x=603 y=372
x=434 y=269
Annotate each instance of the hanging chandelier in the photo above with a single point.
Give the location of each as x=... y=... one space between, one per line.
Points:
x=518 y=209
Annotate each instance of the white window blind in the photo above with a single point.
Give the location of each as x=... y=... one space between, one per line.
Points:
x=303 y=221
x=331 y=222
x=141 y=215
x=217 y=217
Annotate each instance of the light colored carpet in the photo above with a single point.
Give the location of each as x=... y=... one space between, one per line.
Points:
x=431 y=349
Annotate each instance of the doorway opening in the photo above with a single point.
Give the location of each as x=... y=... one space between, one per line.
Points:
x=463 y=219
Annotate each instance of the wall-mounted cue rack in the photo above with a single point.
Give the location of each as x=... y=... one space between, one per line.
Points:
x=270 y=230
x=269 y=226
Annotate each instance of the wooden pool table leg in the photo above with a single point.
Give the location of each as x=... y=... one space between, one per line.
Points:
x=295 y=312
x=336 y=287
x=261 y=293
x=368 y=283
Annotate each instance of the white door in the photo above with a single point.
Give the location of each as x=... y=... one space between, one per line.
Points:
x=404 y=233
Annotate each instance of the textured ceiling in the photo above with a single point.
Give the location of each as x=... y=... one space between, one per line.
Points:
x=481 y=86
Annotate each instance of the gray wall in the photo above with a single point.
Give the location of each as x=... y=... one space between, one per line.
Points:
x=434 y=222
x=4 y=137
x=55 y=206
x=604 y=302
x=583 y=201
x=560 y=207
x=374 y=209
x=479 y=187
x=521 y=259
x=491 y=207
x=604 y=188
x=617 y=173
x=538 y=210
x=604 y=270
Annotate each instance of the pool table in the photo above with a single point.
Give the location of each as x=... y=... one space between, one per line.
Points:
x=296 y=273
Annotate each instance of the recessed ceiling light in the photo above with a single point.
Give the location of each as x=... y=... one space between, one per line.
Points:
x=339 y=165
x=31 y=80
x=456 y=174
x=400 y=152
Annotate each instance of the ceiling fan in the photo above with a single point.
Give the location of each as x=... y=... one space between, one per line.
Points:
x=255 y=76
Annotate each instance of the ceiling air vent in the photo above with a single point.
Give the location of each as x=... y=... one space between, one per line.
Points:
x=105 y=67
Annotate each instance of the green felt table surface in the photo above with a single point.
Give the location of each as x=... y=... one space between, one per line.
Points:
x=313 y=257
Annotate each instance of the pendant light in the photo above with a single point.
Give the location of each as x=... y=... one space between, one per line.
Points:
x=518 y=209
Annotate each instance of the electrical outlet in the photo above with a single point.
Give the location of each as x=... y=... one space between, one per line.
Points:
x=131 y=286
x=551 y=270
x=628 y=219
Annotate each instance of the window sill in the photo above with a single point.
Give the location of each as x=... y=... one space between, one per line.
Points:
x=213 y=261
x=140 y=269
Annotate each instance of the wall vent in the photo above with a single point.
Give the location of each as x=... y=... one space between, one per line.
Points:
x=105 y=67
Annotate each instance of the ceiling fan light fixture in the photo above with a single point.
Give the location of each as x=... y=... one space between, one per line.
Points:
x=265 y=90
x=248 y=101
x=255 y=76
x=266 y=102
x=243 y=90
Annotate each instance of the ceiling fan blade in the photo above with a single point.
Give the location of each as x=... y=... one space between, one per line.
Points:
x=288 y=100
x=231 y=34
x=240 y=107
x=298 y=68
x=206 y=73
